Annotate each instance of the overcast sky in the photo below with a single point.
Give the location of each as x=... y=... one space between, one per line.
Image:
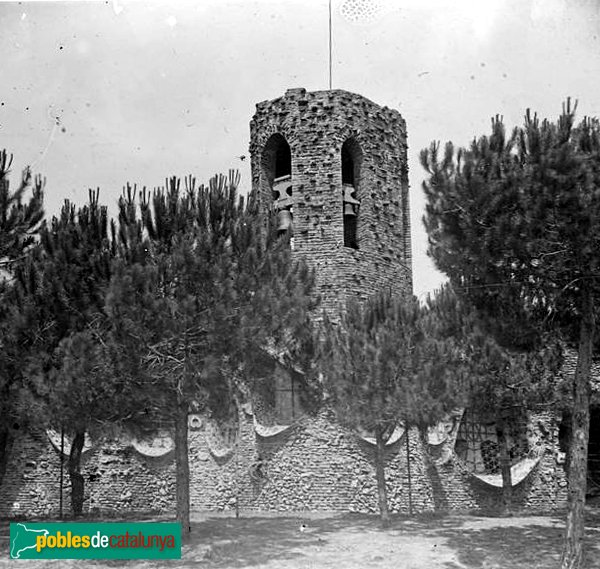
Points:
x=95 y=94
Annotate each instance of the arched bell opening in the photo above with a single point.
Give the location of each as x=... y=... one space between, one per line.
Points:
x=277 y=172
x=351 y=162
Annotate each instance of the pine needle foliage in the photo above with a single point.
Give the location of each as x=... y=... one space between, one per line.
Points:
x=390 y=361
x=62 y=326
x=201 y=297
x=20 y=220
x=514 y=223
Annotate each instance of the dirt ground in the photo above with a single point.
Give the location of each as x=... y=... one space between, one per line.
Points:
x=357 y=542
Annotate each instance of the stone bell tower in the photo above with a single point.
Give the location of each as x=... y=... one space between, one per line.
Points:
x=333 y=165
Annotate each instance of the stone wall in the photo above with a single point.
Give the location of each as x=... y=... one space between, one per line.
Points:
x=455 y=488
x=117 y=479
x=312 y=465
x=31 y=484
x=318 y=465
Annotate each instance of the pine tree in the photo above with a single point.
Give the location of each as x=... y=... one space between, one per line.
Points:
x=506 y=384
x=200 y=290
x=20 y=221
x=513 y=221
x=60 y=291
x=499 y=383
x=389 y=361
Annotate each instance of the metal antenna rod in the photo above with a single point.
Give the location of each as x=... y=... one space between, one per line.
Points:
x=330 y=45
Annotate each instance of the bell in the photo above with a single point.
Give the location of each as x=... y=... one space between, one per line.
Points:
x=350 y=202
x=285 y=220
x=349 y=210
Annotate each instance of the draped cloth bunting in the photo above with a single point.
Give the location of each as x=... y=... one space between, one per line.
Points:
x=476 y=448
x=394 y=438
x=518 y=472
x=156 y=445
x=269 y=431
x=264 y=431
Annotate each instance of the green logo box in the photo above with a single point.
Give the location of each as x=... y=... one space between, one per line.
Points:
x=65 y=540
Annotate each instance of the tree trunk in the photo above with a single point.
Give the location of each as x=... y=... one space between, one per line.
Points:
x=77 y=484
x=6 y=442
x=572 y=555
x=408 y=473
x=504 y=465
x=380 y=474
x=182 y=468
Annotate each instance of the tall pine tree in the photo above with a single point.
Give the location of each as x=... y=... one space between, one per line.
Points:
x=60 y=292
x=387 y=362
x=20 y=219
x=514 y=222
x=499 y=383
x=201 y=288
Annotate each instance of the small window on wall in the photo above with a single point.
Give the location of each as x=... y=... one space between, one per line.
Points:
x=351 y=160
x=287 y=397
x=277 y=169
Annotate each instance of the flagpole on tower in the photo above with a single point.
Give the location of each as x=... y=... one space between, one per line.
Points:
x=330 y=45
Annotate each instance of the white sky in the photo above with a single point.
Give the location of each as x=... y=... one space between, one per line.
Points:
x=95 y=94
